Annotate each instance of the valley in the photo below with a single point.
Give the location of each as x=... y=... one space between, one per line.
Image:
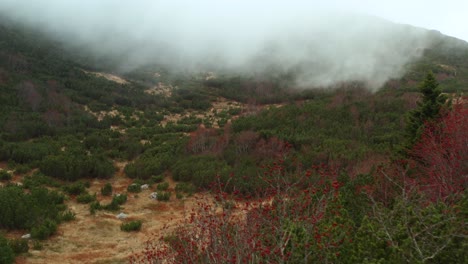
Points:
x=317 y=159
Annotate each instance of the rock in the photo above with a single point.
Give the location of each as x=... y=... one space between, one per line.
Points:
x=27 y=236
x=144 y=186
x=122 y=216
x=154 y=195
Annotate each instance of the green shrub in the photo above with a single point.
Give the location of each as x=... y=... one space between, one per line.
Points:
x=179 y=195
x=7 y=255
x=24 y=210
x=139 y=181
x=157 y=178
x=162 y=186
x=113 y=206
x=106 y=190
x=61 y=207
x=85 y=198
x=120 y=199
x=76 y=165
x=95 y=141
x=131 y=226
x=76 y=188
x=222 y=122
x=164 y=196
x=22 y=169
x=115 y=203
x=67 y=216
x=5 y=175
x=234 y=111
x=185 y=187
x=39 y=179
x=145 y=168
x=44 y=230
x=94 y=206
x=37 y=245
x=134 y=188
x=200 y=170
x=19 y=246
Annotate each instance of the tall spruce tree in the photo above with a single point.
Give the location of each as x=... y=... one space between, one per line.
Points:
x=427 y=111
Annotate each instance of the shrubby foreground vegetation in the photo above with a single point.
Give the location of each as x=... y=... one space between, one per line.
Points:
x=410 y=210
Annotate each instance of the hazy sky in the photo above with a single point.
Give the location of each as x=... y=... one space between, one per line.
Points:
x=447 y=16
x=329 y=41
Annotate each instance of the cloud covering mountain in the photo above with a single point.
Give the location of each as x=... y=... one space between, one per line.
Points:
x=324 y=44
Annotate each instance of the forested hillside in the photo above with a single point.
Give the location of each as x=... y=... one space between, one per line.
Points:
x=356 y=192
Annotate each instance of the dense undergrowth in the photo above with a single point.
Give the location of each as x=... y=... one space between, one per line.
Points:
x=411 y=210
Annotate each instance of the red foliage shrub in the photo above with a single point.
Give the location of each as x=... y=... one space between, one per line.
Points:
x=271 y=148
x=27 y=91
x=299 y=220
x=245 y=141
x=438 y=163
x=442 y=155
x=202 y=140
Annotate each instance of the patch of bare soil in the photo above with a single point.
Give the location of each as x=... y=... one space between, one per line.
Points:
x=98 y=238
x=162 y=89
x=218 y=106
x=109 y=76
x=210 y=76
x=100 y=115
x=221 y=104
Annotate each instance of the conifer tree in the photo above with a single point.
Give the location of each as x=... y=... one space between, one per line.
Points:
x=428 y=109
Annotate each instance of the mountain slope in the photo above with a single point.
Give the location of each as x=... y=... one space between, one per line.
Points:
x=72 y=126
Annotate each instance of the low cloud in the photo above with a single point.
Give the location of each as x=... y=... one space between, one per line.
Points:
x=325 y=45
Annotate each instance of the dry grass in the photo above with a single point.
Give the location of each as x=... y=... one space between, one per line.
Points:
x=98 y=238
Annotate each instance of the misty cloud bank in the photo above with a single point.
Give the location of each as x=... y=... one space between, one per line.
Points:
x=325 y=45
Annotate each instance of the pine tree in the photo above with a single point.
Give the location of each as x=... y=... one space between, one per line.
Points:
x=427 y=111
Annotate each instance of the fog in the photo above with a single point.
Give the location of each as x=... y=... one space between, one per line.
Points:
x=324 y=43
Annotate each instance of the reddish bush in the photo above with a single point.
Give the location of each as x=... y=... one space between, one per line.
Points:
x=202 y=140
x=437 y=167
x=272 y=148
x=442 y=154
x=294 y=221
x=245 y=141
x=28 y=92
